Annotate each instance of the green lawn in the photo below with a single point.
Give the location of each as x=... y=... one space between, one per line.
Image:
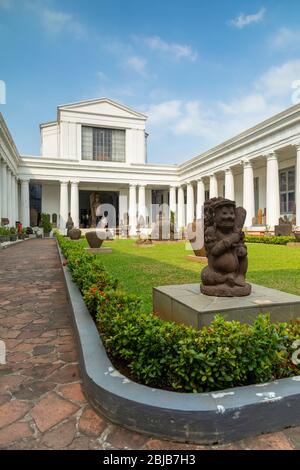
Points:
x=139 y=269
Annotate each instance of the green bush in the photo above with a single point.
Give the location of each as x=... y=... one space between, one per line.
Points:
x=269 y=240
x=46 y=224
x=177 y=357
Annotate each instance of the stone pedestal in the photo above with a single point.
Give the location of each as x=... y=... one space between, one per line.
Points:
x=186 y=304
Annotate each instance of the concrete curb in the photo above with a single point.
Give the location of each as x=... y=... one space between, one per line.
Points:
x=204 y=418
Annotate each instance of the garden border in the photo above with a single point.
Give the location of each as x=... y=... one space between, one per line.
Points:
x=204 y=418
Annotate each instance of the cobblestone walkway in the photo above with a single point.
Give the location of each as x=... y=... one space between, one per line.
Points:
x=42 y=404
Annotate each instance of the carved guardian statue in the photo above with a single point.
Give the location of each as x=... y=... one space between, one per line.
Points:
x=225 y=249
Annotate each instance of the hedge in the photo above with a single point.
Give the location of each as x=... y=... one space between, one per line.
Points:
x=269 y=240
x=173 y=356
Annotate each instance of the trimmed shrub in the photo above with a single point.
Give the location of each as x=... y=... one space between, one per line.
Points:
x=271 y=240
x=173 y=356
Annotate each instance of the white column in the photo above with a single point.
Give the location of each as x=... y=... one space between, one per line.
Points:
x=142 y=206
x=297 y=182
x=17 y=198
x=75 y=202
x=181 y=208
x=229 y=184
x=1 y=196
x=213 y=186
x=200 y=197
x=272 y=200
x=25 y=215
x=132 y=209
x=173 y=200
x=13 y=200
x=190 y=203
x=9 y=198
x=4 y=189
x=248 y=192
x=63 y=205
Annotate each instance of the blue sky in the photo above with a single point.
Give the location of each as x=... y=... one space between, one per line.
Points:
x=202 y=71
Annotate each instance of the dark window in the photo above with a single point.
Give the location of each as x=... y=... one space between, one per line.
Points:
x=287 y=191
x=102 y=144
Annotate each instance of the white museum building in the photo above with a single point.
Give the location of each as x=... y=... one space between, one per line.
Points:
x=100 y=147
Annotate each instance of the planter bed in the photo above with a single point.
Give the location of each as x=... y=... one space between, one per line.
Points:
x=205 y=418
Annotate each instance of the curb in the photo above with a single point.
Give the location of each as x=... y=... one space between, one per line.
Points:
x=203 y=418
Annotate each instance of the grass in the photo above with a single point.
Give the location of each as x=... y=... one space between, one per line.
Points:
x=139 y=269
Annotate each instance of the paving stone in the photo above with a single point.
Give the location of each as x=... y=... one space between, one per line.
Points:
x=121 y=438
x=14 y=432
x=73 y=392
x=33 y=390
x=51 y=410
x=293 y=435
x=91 y=423
x=12 y=411
x=66 y=374
x=45 y=349
x=61 y=436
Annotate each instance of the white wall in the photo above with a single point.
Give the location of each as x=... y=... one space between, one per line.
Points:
x=49 y=141
x=50 y=199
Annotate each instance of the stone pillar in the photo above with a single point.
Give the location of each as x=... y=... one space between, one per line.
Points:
x=13 y=200
x=132 y=209
x=190 y=203
x=9 y=193
x=200 y=198
x=1 y=195
x=17 y=199
x=181 y=208
x=173 y=200
x=63 y=204
x=229 y=184
x=297 y=182
x=213 y=186
x=142 y=205
x=3 y=190
x=75 y=202
x=248 y=192
x=25 y=203
x=272 y=192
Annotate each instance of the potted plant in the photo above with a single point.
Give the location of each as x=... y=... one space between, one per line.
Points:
x=13 y=236
x=4 y=234
x=46 y=224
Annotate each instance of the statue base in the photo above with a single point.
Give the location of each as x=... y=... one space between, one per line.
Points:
x=224 y=290
x=185 y=304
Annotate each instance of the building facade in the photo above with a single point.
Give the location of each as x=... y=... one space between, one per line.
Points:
x=100 y=147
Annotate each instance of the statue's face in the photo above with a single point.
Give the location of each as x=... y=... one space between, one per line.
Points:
x=97 y=198
x=225 y=216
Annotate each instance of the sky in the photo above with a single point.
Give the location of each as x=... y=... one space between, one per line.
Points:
x=202 y=71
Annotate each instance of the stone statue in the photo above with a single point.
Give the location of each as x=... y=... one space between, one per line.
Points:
x=225 y=249
x=69 y=224
x=95 y=206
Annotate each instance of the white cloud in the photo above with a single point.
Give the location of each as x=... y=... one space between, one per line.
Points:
x=286 y=37
x=138 y=64
x=57 y=22
x=278 y=80
x=179 y=51
x=206 y=125
x=244 y=20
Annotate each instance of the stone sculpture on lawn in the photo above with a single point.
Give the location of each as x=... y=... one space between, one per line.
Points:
x=225 y=249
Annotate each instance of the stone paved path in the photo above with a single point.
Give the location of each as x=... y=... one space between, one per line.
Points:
x=42 y=404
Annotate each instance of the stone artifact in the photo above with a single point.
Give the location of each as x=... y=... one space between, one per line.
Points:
x=284 y=227
x=95 y=206
x=69 y=224
x=259 y=216
x=163 y=228
x=93 y=240
x=75 y=234
x=225 y=249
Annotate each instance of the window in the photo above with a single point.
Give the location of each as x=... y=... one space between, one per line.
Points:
x=105 y=145
x=287 y=191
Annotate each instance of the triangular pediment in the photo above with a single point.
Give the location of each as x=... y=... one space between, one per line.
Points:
x=103 y=106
